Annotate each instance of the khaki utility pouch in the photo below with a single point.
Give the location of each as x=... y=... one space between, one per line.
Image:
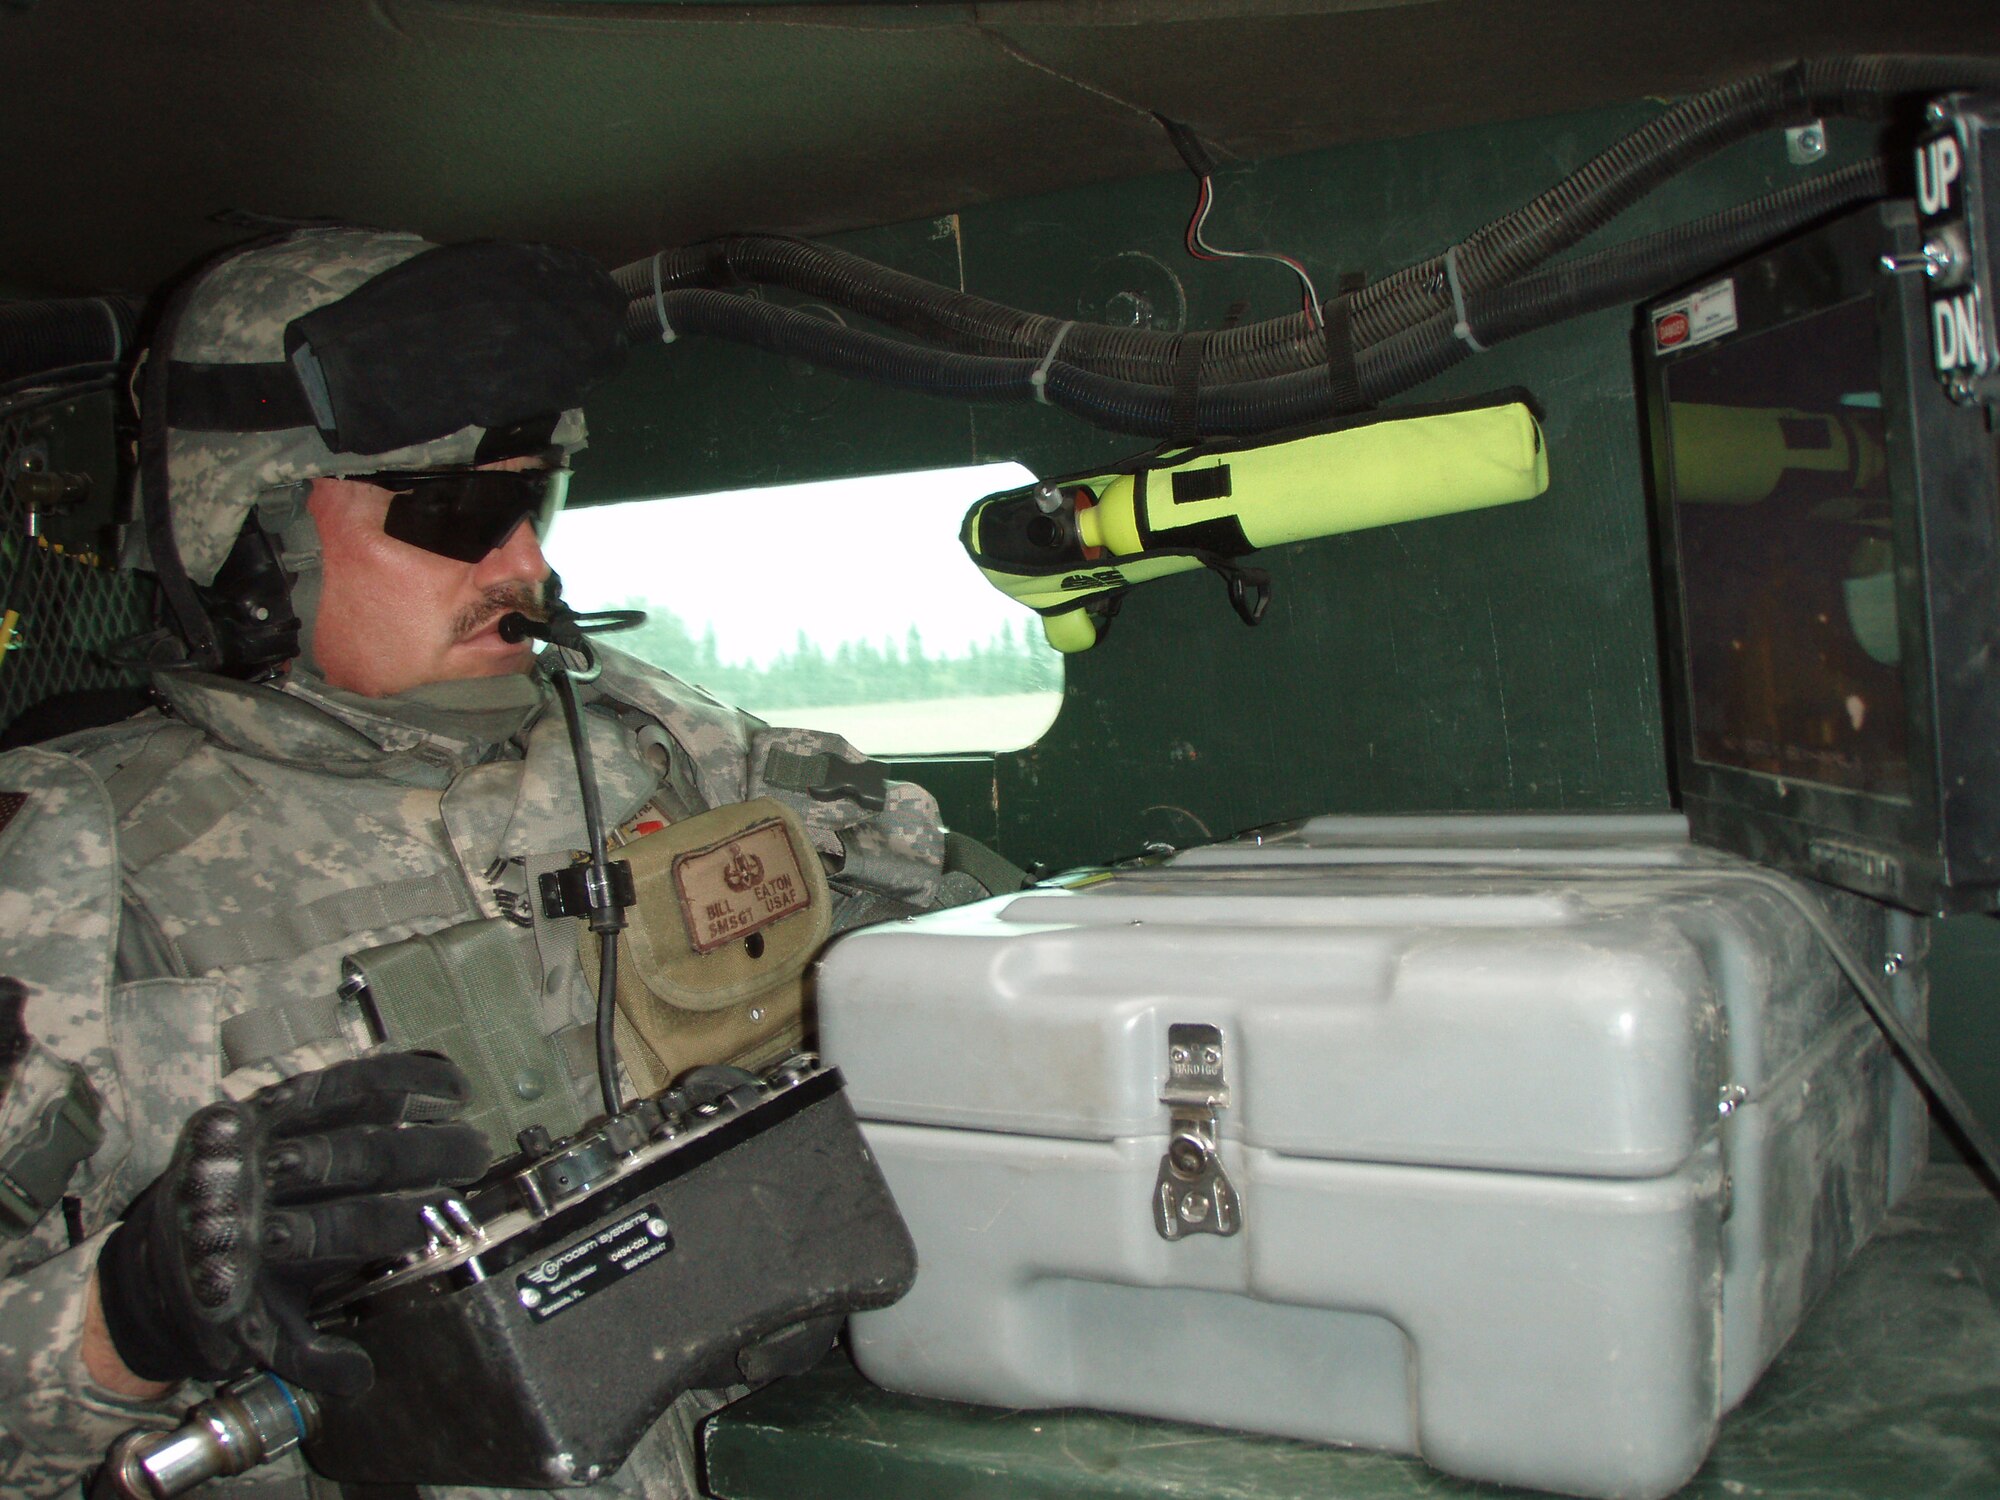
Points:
x=732 y=906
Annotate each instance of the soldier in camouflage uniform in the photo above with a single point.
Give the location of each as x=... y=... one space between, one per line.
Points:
x=178 y=891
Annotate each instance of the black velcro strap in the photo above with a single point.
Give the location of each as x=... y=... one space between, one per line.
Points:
x=1217 y=537
x=1191 y=486
x=235 y=398
x=1183 y=426
x=1337 y=327
x=1795 y=106
x=1342 y=378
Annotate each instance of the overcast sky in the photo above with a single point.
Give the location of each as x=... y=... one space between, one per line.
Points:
x=847 y=559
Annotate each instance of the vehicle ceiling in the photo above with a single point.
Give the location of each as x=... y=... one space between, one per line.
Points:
x=132 y=124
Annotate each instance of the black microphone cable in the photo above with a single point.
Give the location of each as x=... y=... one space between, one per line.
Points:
x=605 y=895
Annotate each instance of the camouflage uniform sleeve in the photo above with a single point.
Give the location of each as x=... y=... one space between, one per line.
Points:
x=58 y=916
x=55 y=1421
x=882 y=837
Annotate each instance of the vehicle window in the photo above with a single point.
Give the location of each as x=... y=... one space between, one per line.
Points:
x=845 y=605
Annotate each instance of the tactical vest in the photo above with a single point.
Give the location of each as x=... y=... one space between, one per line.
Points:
x=257 y=872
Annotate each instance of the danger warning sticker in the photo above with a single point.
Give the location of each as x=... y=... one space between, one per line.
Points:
x=730 y=890
x=1707 y=314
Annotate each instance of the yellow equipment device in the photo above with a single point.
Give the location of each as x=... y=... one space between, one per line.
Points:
x=1070 y=548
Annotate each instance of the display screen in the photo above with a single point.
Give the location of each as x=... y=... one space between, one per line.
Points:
x=1786 y=555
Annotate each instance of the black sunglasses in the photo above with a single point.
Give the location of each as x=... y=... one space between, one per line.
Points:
x=464 y=513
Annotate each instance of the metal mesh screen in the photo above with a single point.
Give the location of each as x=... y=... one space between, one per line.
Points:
x=59 y=607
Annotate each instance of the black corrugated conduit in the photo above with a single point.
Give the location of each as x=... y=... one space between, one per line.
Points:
x=1620 y=274
x=44 y=339
x=1668 y=144
x=1499 y=253
x=1251 y=379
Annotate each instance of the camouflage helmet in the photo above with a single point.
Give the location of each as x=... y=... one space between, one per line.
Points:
x=238 y=315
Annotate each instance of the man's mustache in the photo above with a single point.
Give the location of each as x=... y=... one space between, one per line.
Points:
x=502 y=598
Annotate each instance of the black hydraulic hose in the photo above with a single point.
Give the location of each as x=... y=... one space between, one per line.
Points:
x=1500 y=252
x=46 y=337
x=1622 y=273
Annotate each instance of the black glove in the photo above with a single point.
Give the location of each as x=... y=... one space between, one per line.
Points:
x=269 y=1200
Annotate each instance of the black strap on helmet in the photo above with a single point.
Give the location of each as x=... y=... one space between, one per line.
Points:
x=480 y=335
x=191 y=621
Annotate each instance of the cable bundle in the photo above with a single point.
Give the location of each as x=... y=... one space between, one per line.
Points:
x=1261 y=377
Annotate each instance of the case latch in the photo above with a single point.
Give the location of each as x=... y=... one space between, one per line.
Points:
x=1192 y=1194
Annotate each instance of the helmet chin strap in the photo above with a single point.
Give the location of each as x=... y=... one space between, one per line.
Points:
x=283 y=515
x=196 y=629
x=305 y=604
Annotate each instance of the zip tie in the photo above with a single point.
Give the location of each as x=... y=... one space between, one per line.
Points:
x=1461 y=328
x=1040 y=378
x=667 y=334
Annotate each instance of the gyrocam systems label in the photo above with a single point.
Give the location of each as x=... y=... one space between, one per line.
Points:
x=560 y=1281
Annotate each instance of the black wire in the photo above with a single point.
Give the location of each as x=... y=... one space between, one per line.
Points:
x=1953 y=1111
x=593 y=813
x=93 y=370
x=35 y=400
x=606 y=923
x=607 y=1012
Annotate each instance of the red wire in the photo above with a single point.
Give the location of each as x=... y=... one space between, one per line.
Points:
x=1205 y=200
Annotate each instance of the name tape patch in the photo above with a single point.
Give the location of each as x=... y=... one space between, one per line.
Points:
x=590 y=1265
x=732 y=889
